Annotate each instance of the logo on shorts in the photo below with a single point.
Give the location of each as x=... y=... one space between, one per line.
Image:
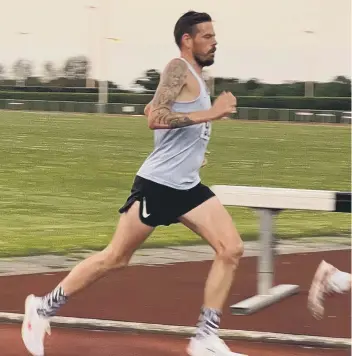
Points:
x=144 y=211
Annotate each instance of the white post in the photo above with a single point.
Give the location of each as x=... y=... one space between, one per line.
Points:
x=25 y=53
x=91 y=45
x=103 y=81
x=103 y=95
x=309 y=83
x=267 y=294
x=266 y=257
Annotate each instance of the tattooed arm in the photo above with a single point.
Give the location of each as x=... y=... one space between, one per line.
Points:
x=171 y=83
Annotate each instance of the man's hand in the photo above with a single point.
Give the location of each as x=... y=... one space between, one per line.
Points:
x=225 y=104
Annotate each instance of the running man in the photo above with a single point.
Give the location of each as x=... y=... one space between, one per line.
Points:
x=167 y=190
x=327 y=280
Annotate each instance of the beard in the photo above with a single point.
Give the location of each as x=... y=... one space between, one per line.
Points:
x=203 y=62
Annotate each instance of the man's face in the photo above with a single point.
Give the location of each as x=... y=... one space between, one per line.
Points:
x=204 y=44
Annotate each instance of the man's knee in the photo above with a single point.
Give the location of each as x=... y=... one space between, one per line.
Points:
x=231 y=250
x=112 y=259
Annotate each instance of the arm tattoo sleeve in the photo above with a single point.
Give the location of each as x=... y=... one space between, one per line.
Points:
x=171 y=84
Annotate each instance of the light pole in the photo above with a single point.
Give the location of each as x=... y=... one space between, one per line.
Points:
x=99 y=53
x=309 y=84
x=102 y=70
x=90 y=46
x=103 y=53
x=103 y=81
x=21 y=34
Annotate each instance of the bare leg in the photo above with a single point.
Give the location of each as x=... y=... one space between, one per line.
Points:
x=214 y=224
x=129 y=235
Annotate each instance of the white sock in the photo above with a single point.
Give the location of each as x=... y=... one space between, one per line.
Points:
x=340 y=282
x=52 y=302
x=208 y=323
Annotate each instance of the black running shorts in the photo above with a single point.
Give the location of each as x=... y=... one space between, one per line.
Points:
x=162 y=205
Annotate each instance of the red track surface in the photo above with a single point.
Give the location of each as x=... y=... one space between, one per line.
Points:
x=173 y=295
x=92 y=343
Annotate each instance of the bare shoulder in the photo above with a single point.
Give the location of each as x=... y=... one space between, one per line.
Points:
x=175 y=70
x=172 y=82
x=176 y=64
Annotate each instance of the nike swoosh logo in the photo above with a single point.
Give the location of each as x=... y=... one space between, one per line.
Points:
x=144 y=211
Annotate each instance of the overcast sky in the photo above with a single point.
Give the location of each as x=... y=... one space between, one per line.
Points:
x=262 y=39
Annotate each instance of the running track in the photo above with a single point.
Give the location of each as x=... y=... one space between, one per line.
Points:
x=172 y=295
x=92 y=343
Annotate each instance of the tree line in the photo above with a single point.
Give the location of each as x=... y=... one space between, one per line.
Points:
x=76 y=69
x=74 y=73
x=340 y=86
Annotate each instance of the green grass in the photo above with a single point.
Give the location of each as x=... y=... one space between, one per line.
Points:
x=63 y=178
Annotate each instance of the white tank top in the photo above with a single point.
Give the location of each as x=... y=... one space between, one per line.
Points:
x=179 y=153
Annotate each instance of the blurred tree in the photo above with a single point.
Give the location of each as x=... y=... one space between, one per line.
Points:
x=252 y=84
x=227 y=84
x=2 y=73
x=342 y=80
x=150 y=81
x=76 y=67
x=50 y=72
x=22 y=69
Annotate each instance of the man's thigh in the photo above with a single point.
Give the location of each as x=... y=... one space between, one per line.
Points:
x=212 y=222
x=130 y=232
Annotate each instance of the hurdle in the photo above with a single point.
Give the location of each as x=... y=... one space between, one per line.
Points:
x=268 y=202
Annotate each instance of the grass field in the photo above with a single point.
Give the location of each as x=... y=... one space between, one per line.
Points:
x=63 y=177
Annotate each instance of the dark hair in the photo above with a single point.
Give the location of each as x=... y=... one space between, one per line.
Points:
x=187 y=22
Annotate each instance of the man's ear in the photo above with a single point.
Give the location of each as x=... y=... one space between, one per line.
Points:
x=187 y=40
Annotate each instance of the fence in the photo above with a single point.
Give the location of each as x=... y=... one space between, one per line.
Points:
x=244 y=113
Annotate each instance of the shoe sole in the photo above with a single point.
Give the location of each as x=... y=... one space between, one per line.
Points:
x=189 y=352
x=27 y=313
x=321 y=275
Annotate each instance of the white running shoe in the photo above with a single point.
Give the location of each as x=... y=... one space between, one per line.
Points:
x=34 y=327
x=319 y=288
x=210 y=345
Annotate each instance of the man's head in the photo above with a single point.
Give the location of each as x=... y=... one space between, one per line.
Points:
x=194 y=33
